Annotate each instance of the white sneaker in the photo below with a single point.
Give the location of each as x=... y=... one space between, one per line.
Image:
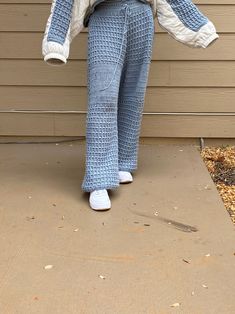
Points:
x=125 y=177
x=99 y=200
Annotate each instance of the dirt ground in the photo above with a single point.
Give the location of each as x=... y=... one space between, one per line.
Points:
x=220 y=162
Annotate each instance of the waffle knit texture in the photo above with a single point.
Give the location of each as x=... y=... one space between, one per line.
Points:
x=188 y=13
x=120 y=41
x=61 y=19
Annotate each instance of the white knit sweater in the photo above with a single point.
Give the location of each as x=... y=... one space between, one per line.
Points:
x=180 y=18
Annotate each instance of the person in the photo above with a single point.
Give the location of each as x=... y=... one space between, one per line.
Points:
x=120 y=38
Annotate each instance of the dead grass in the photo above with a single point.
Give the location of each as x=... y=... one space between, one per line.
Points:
x=220 y=162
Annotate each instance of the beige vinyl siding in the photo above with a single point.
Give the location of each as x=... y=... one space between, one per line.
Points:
x=191 y=92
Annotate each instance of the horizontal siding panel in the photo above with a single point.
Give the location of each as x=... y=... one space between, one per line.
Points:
x=181 y=80
x=28 y=17
x=158 y=99
x=29 y=46
x=152 y=126
x=49 y=1
x=167 y=48
x=162 y=73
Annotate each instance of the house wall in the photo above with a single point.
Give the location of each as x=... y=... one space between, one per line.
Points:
x=190 y=91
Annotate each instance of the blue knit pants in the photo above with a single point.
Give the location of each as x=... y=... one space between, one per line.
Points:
x=120 y=37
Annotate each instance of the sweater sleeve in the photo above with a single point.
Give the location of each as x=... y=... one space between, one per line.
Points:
x=56 y=40
x=186 y=23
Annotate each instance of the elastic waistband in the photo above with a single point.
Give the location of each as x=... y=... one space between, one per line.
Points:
x=118 y=3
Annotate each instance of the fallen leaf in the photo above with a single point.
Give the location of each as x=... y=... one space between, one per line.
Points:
x=102 y=277
x=188 y=262
x=48 y=267
x=175 y=304
x=75 y=230
x=30 y=218
x=205 y=286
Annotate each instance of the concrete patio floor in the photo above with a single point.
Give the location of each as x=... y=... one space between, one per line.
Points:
x=126 y=260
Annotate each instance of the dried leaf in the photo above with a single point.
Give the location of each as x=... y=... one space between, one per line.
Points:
x=220 y=162
x=30 y=218
x=48 y=267
x=102 y=277
x=188 y=262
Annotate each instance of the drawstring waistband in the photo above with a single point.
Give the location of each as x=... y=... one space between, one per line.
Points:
x=127 y=13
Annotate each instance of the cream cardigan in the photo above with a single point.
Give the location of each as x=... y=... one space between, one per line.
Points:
x=177 y=17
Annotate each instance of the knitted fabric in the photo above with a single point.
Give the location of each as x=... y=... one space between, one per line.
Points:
x=60 y=21
x=188 y=13
x=119 y=54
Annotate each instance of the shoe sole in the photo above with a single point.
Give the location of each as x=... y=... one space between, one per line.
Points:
x=124 y=182
x=101 y=209
x=98 y=208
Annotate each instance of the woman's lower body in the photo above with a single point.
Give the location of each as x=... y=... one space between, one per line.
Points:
x=120 y=37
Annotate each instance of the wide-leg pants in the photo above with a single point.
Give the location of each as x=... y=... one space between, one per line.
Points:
x=120 y=37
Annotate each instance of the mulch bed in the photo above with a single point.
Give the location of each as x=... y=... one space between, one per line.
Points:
x=220 y=162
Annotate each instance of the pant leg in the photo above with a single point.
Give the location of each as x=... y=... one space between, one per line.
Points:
x=133 y=85
x=104 y=43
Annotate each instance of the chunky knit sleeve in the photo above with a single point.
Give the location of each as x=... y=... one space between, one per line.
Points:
x=56 y=40
x=184 y=22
